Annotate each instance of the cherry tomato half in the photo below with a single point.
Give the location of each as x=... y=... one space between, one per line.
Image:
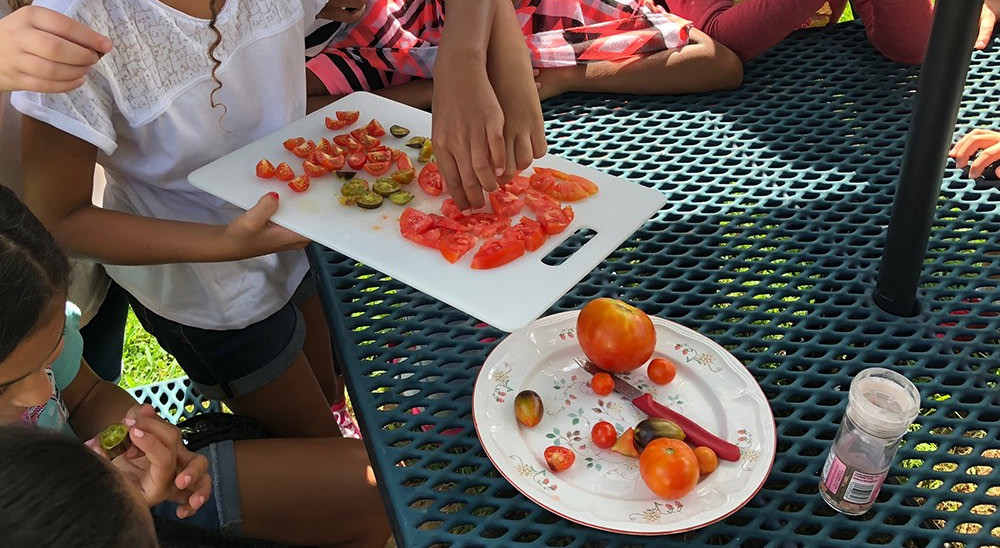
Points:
x=559 y=458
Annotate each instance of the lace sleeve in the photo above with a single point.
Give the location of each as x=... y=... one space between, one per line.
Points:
x=85 y=113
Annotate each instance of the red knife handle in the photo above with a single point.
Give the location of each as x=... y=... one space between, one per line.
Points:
x=693 y=433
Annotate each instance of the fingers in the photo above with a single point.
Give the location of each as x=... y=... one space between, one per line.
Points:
x=985 y=158
x=195 y=468
x=41 y=85
x=986 y=23
x=156 y=484
x=452 y=178
x=539 y=145
x=53 y=48
x=523 y=151
x=59 y=25
x=482 y=164
x=197 y=495
x=470 y=183
x=511 y=169
x=967 y=146
x=497 y=146
x=256 y=218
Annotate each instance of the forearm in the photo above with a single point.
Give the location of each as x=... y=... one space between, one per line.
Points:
x=899 y=29
x=103 y=405
x=116 y=238
x=506 y=37
x=749 y=28
x=466 y=35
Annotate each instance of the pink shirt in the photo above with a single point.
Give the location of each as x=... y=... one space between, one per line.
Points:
x=897 y=28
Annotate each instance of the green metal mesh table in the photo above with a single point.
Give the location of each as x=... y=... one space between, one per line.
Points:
x=778 y=199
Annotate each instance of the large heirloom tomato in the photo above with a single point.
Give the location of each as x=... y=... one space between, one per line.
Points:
x=614 y=335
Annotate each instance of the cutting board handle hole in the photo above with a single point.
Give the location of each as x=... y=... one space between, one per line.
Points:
x=568 y=247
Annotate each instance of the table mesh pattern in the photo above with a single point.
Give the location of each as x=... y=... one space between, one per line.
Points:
x=175 y=399
x=778 y=199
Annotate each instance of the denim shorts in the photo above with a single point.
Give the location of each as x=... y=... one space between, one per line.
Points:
x=233 y=363
x=223 y=511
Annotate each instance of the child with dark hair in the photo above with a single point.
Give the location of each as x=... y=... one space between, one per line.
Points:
x=317 y=491
x=54 y=492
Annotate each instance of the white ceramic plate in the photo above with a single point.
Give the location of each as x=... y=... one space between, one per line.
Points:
x=603 y=489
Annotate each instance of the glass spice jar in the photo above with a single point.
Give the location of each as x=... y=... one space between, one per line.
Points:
x=881 y=405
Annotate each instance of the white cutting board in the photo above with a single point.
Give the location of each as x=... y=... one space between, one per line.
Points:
x=508 y=297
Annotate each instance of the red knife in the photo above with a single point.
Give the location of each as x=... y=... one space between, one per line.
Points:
x=694 y=434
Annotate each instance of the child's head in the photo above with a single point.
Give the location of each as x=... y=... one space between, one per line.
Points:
x=56 y=492
x=34 y=276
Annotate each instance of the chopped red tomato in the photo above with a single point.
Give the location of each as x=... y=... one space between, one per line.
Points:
x=403 y=161
x=414 y=221
x=486 y=225
x=348 y=142
x=331 y=163
x=304 y=150
x=555 y=221
x=359 y=133
x=455 y=245
x=431 y=238
x=313 y=170
x=449 y=224
x=265 y=169
x=290 y=144
x=376 y=168
x=517 y=185
x=349 y=116
x=284 y=172
x=375 y=129
x=539 y=202
x=430 y=180
x=497 y=252
x=379 y=156
x=528 y=230
x=357 y=160
x=450 y=210
x=299 y=184
x=368 y=142
x=336 y=124
x=562 y=186
x=324 y=145
x=506 y=204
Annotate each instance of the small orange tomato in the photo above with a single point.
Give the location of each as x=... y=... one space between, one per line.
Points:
x=707 y=460
x=661 y=371
x=602 y=384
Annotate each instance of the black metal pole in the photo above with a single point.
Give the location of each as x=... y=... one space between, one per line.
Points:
x=935 y=109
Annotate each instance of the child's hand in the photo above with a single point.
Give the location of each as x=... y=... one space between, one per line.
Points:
x=45 y=51
x=987 y=20
x=160 y=465
x=345 y=11
x=984 y=140
x=252 y=234
x=467 y=131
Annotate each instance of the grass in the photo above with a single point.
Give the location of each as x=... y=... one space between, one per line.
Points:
x=144 y=362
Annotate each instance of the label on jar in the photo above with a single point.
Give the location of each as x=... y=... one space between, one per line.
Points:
x=863 y=487
x=833 y=472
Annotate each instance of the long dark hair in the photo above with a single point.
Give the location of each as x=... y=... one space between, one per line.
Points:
x=213 y=6
x=56 y=492
x=33 y=272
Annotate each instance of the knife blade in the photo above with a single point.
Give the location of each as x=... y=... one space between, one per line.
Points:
x=694 y=433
